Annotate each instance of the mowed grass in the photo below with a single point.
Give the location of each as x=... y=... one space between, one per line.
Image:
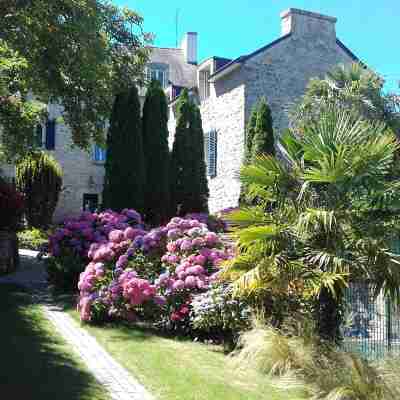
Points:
x=35 y=363
x=179 y=369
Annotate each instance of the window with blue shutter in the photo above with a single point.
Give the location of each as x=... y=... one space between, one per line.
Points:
x=99 y=154
x=50 y=134
x=211 y=153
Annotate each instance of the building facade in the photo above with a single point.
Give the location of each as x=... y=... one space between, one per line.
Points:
x=226 y=91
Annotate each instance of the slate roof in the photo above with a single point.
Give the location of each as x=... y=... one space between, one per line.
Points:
x=181 y=73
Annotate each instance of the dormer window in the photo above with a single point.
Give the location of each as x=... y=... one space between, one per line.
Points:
x=158 y=72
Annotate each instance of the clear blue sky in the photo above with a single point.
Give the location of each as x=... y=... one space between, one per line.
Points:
x=230 y=28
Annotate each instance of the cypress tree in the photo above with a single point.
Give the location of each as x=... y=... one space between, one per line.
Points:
x=155 y=146
x=198 y=193
x=250 y=130
x=39 y=178
x=189 y=190
x=263 y=139
x=124 y=181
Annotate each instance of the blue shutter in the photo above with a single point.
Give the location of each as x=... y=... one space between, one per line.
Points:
x=50 y=134
x=211 y=153
x=99 y=154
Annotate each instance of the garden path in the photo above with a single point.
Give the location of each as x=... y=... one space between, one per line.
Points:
x=115 y=378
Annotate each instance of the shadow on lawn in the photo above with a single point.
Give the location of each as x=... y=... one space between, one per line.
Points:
x=36 y=365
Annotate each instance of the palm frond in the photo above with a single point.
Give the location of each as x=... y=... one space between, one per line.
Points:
x=313 y=219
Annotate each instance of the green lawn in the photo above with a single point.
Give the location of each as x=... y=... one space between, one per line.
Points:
x=35 y=364
x=181 y=370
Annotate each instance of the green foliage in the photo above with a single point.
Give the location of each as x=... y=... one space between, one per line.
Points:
x=18 y=116
x=124 y=182
x=353 y=88
x=33 y=239
x=43 y=37
x=325 y=216
x=39 y=178
x=259 y=139
x=155 y=144
x=250 y=131
x=63 y=271
x=189 y=188
x=263 y=136
x=321 y=371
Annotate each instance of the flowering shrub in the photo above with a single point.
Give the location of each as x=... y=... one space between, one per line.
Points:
x=78 y=240
x=217 y=311
x=214 y=222
x=137 y=273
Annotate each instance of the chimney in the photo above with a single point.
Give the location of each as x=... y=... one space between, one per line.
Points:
x=189 y=47
x=302 y=23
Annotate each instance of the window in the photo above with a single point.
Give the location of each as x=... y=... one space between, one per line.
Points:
x=90 y=202
x=211 y=153
x=204 y=85
x=50 y=134
x=99 y=154
x=158 y=72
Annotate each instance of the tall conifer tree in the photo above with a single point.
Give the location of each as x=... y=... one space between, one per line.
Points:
x=124 y=181
x=250 y=130
x=263 y=139
x=189 y=190
x=155 y=145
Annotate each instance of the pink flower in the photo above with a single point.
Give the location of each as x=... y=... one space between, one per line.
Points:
x=178 y=285
x=171 y=247
x=116 y=236
x=186 y=245
x=211 y=238
x=200 y=259
x=190 y=282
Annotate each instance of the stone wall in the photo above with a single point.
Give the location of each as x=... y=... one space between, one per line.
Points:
x=81 y=174
x=223 y=112
x=282 y=72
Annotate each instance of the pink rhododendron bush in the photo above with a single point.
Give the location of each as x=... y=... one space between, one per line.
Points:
x=150 y=275
x=70 y=243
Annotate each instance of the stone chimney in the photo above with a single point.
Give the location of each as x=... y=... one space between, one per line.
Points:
x=302 y=23
x=189 y=47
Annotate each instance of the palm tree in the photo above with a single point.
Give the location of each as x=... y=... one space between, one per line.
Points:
x=326 y=215
x=354 y=88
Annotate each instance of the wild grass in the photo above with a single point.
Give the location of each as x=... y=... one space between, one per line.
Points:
x=321 y=371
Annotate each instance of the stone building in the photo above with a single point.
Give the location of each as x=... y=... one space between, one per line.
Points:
x=226 y=91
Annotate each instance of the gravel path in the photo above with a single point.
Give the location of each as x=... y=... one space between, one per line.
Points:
x=115 y=378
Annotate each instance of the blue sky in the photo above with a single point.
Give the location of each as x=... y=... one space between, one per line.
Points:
x=230 y=28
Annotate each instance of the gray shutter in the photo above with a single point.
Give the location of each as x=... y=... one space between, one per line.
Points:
x=212 y=154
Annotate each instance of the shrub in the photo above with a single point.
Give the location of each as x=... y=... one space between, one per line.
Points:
x=39 y=178
x=166 y=265
x=322 y=371
x=70 y=243
x=33 y=239
x=218 y=312
x=11 y=206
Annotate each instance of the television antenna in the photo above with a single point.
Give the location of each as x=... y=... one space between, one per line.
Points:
x=176 y=27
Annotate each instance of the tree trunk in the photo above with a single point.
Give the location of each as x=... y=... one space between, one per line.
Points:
x=328 y=316
x=9 y=258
